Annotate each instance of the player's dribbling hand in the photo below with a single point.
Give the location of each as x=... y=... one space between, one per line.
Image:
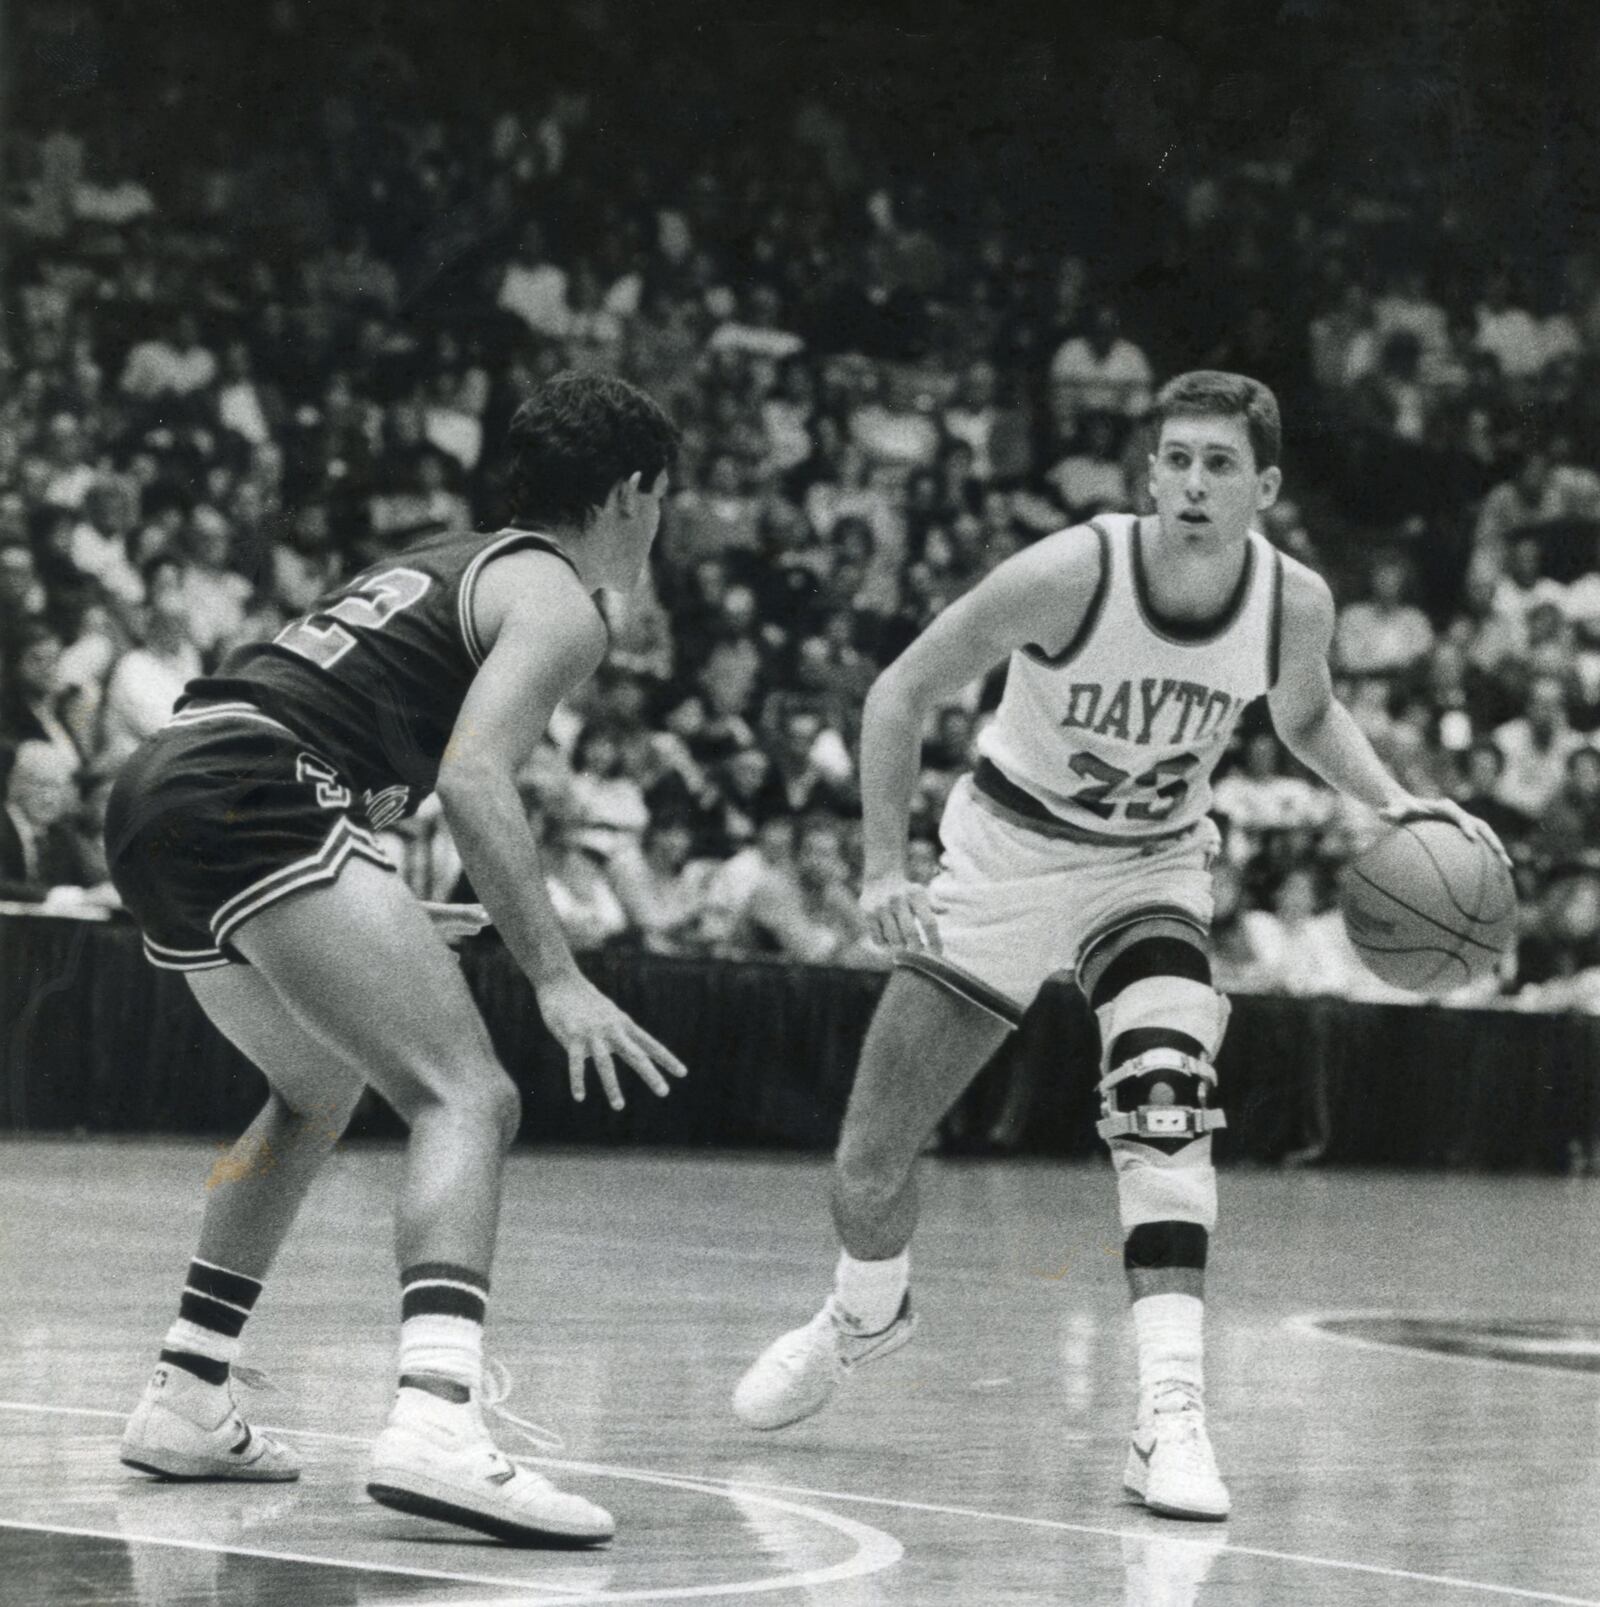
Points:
x=1397 y=814
x=590 y=1027
x=900 y=914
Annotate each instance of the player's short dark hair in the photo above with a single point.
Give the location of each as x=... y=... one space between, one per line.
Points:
x=575 y=439
x=1211 y=392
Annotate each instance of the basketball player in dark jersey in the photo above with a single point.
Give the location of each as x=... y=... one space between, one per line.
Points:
x=241 y=838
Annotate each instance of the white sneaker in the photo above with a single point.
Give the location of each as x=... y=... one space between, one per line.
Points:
x=1170 y=1466
x=797 y=1374
x=185 y=1428
x=436 y=1459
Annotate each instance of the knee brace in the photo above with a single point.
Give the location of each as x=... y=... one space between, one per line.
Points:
x=1161 y=1023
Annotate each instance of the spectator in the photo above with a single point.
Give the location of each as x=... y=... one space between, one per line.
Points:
x=1568 y=832
x=37 y=704
x=1483 y=771
x=149 y=679
x=1099 y=370
x=666 y=893
x=1541 y=491
x=802 y=909
x=1090 y=478
x=175 y=363
x=1536 y=746
x=605 y=809
x=1385 y=635
x=37 y=848
x=590 y=913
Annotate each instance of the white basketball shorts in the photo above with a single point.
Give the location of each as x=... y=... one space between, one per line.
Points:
x=1016 y=905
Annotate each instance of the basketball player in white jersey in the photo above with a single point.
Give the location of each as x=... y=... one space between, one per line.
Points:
x=1081 y=841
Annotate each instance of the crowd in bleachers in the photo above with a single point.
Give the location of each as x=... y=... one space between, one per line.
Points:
x=233 y=376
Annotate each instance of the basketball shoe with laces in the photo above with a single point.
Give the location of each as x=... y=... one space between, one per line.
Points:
x=796 y=1375
x=185 y=1428
x=437 y=1459
x=1170 y=1466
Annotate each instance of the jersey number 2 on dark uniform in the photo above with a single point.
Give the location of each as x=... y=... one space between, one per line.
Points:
x=322 y=638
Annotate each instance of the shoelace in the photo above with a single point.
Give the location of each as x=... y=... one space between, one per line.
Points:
x=496 y=1391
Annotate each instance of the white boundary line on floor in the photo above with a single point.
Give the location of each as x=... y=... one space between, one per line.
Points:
x=749 y=1490
x=1308 y=1325
x=874 y=1550
x=529 y=1592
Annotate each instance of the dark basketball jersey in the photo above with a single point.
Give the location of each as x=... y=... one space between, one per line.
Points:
x=374 y=676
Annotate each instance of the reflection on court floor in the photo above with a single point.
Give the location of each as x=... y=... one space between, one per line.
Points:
x=1401 y=1393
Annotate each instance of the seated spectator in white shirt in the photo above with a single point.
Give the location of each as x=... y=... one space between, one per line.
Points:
x=1384 y=635
x=804 y=909
x=605 y=807
x=216 y=594
x=1524 y=585
x=1546 y=487
x=1091 y=479
x=242 y=403
x=1100 y=370
x=534 y=288
x=1405 y=305
x=590 y=912
x=1507 y=330
x=173 y=363
x=1258 y=798
x=1536 y=746
x=974 y=415
x=665 y=892
x=147 y=681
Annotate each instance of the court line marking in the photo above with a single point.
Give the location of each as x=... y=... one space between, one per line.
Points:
x=529 y=1592
x=1016 y=1520
x=875 y=1549
x=1307 y=1324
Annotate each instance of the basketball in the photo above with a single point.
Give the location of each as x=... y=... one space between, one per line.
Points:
x=1429 y=908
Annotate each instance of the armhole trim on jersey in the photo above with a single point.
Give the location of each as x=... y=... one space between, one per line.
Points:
x=510 y=541
x=1275 y=623
x=1091 y=616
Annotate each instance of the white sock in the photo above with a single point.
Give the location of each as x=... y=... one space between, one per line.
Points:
x=869 y=1293
x=1168 y=1332
x=436 y=1346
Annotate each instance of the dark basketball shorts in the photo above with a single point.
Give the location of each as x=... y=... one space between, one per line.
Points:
x=219 y=815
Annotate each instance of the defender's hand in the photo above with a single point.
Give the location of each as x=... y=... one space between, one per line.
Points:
x=590 y=1027
x=1397 y=814
x=454 y=922
x=900 y=914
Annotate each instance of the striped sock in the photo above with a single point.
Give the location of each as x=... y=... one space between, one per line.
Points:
x=211 y=1316
x=442 y=1307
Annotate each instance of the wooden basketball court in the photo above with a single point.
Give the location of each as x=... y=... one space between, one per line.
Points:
x=979 y=1467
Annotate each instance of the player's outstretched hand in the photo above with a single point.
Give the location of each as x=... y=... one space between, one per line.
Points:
x=590 y=1027
x=454 y=922
x=900 y=915
x=1398 y=814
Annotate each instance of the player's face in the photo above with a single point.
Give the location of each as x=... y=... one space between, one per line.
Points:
x=1205 y=483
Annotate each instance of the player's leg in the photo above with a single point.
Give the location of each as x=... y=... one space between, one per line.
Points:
x=187 y=1425
x=359 y=966
x=925 y=1045
x=1161 y=1023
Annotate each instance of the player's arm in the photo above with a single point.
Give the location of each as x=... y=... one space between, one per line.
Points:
x=1317 y=728
x=1038 y=598
x=544 y=639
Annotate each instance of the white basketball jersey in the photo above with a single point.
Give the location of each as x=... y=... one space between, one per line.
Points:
x=1118 y=733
